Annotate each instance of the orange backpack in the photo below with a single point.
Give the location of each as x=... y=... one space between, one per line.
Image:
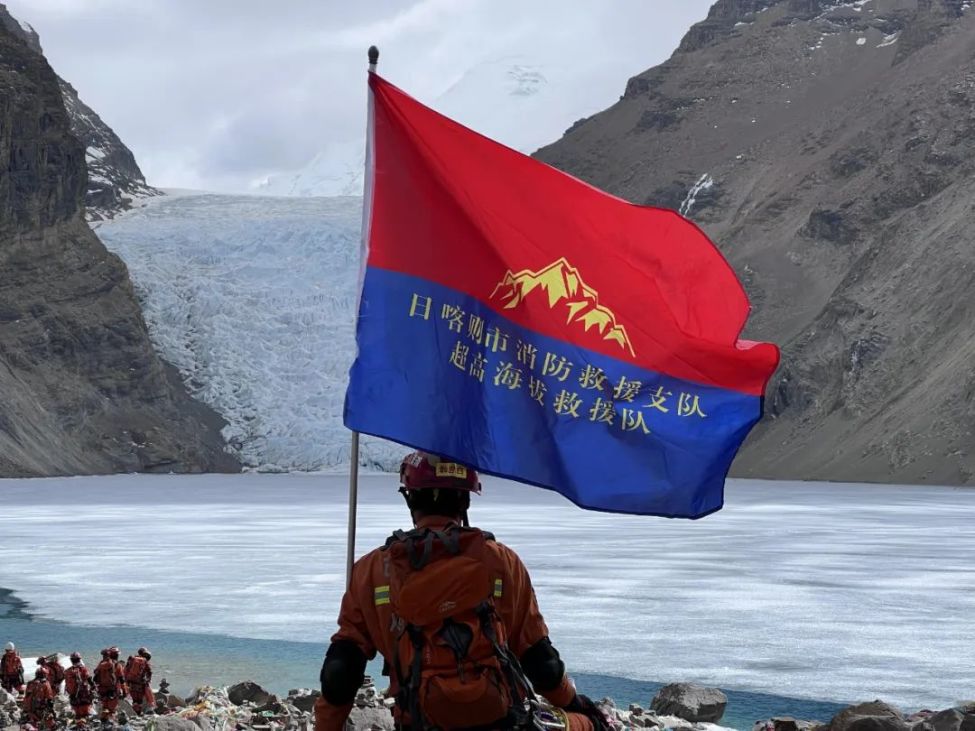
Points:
x=105 y=676
x=135 y=670
x=78 y=687
x=450 y=656
x=10 y=665
x=55 y=670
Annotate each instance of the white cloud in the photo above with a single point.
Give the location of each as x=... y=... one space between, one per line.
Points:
x=218 y=93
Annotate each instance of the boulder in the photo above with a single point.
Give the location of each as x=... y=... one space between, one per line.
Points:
x=304 y=700
x=203 y=722
x=950 y=720
x=690 y=702
x=249 y=692
x=645 y=721
x=6 y=697
x=872 y=716
x=371 y=719
x=171 y=700
x=174 y=723
x=787 y=723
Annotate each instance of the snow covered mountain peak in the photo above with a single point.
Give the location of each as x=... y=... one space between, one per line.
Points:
x=515 y=100
x=526 y=80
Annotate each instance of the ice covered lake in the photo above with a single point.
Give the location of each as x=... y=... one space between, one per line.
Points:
x=820 y=591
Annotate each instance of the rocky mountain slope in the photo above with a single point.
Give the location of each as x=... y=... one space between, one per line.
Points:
x=114 y=177
x=83 y=390
x=828 y=148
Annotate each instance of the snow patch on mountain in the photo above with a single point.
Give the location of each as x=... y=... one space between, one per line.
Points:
x=253 y=300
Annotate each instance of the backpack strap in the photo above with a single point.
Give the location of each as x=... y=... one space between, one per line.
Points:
x=510 y=666
x=416 y=675
x=419 y=543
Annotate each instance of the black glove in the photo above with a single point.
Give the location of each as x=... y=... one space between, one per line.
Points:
x=583 y=705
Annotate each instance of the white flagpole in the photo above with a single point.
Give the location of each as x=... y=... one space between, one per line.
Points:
x=366 y=218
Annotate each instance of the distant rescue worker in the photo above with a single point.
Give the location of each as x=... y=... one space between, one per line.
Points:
x=11 y=670
x=80 y=687
x=138 y=676
x=39 y=701
x=113 y=652
x=55 y=672
x=108 y=686
x=454 y=615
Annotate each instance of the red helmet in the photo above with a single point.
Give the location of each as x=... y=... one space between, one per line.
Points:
x=143 y=652
x=41 y=672
x=113 y=652
x=75 y=657
x=423 y=471
x=105 y=652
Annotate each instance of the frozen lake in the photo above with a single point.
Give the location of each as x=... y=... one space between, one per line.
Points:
x=844 y=592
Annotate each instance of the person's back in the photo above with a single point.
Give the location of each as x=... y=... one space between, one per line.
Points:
x=11 y=670
x=108 y=683
x=453 y=613
x=138 y=675
x=55 y=672
x=39 y=697
x=105 y=678
x=77 y=683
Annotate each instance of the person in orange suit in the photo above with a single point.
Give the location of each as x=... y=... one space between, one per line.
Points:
x=11 y=670
x=454 y=659
x=113 y=653
x=80 y=687
x=55 y=673
x=138 y=675
x=39 y=701
x=108 y=685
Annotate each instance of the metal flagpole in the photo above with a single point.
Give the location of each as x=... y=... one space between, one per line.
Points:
x=366 y=213
x=353 y=500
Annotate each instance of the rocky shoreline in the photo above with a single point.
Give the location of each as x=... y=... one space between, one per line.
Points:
x=680 y=707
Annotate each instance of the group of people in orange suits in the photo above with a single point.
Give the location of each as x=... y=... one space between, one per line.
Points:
x=111 y=681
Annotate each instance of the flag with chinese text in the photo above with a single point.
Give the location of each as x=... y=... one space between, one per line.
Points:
x=521 y=321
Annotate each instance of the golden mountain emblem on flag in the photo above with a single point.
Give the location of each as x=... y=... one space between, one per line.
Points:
x=563 y=285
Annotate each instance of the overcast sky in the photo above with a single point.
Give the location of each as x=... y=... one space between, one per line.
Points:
x=218 y=94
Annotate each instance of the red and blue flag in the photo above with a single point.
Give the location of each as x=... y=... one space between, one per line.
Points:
x=516 y=319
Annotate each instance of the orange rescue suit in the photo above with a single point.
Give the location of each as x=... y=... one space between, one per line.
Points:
x=38 y=699
x=362 y=621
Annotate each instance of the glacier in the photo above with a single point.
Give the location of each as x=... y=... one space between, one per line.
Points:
x=253 y=300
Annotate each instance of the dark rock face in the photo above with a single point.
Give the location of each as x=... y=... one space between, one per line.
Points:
x=690 y=702
x=84 y=392
x=114 y=177
x=840 y=145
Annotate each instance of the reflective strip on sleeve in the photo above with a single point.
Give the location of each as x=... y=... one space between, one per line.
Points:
x=498 y=586
x=381 y=595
